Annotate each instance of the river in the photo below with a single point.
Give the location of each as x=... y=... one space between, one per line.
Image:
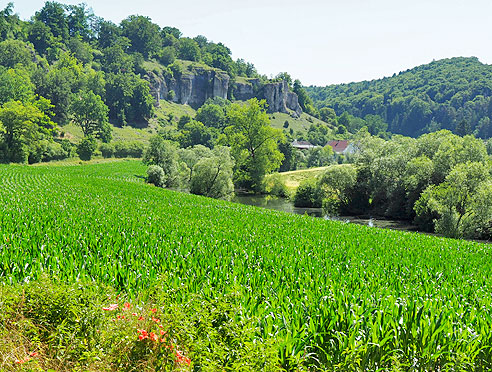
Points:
x=280 y=204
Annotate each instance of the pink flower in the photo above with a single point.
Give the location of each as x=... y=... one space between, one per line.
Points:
x=127 y=306
x=110 y=307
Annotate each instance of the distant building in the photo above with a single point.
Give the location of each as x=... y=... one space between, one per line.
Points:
x=341 y=147
x=302 y=145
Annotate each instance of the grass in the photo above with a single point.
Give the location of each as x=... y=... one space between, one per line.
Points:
x=292 y=179
x=126 y=133
x=315 y=294
x=177 y=110
x=301 y=124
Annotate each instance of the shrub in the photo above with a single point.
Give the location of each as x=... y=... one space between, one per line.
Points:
x=129 y=149
x=275 y=186
x=107 y=150
x=156 y=176
x=86 y=148
x=309 y=194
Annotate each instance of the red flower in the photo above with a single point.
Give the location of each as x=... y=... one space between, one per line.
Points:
x=162 y=332
x=110 y=307
x=33 y=354
x=141 y=318
x=127 y=306
x=153 y=310
x=156 y=320
x=181 y=359
x=134 y=314
x=154 y=337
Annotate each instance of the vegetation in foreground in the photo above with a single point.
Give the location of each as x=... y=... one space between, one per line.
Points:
x=274 y=291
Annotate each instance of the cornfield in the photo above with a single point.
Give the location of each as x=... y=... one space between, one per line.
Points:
x=335 y=295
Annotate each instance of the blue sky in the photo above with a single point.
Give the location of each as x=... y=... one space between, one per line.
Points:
x=319 y=42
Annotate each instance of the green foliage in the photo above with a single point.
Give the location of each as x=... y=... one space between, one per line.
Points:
x=128 y=98
x=309 y=194
x=212 y=176
x=156 y=176
x=338 y=182
x=445 y=94
x=168 y=251
x=107 y=150
x=143 y=35
x=21 y=125
x=212 y=115
x=128 y=149
x=86 y=148
x=164 y=154
x=188 y=49
x=91 y=114
x=253 y=143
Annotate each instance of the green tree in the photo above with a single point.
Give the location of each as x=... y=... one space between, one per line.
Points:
x=86 y=148
x=338 y=182
x=13 y=52
x=164 y=154
x=253 y=142
x=212 y=176
x=454 y=199
x=144 y=35
x=188 y=49
x=91 y=114
x=21 y=125
x=211 y=115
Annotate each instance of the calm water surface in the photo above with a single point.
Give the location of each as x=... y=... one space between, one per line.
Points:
x=280 y=204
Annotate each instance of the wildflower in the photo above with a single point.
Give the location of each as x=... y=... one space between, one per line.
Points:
x=141 y=318
x=181 y=359
x=162 y=332
x=33 y=354
x=143 y=334
x=153 y=310
x=127 y=306
x=110 y=307
x=156 y=320
x=134 y=314
x=153 y=337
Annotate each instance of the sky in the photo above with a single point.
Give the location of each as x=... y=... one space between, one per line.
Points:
x=319 y=42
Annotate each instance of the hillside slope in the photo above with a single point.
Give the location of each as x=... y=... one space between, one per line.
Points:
x=450 y=94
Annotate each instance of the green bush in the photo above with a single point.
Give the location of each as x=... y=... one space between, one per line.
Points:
x=309 y=194
x=107 y=150
x=129 y=149
x=156 y=176
x=86 y=148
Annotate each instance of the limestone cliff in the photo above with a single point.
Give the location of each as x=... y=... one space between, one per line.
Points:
x=189 y=88
x=196 y=84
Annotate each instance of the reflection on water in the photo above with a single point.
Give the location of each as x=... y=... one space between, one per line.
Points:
x=280 y=204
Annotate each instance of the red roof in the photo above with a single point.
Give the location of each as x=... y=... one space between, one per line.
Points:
x=338 y=145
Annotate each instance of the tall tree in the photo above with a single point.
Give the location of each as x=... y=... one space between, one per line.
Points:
x=253 y=142
x=91 y=114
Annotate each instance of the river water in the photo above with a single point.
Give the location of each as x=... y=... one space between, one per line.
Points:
x=280 y=204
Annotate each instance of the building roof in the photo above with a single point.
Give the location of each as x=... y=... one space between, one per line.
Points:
x=338 y=146
x=302 y=145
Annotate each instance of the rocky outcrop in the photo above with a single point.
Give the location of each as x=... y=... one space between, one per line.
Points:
x=280 y=99
x=193 y=87
x=190 y=88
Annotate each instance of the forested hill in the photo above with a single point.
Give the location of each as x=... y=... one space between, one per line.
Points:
x=450 y=94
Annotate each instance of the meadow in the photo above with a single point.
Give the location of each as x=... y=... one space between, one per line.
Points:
x=323 y=294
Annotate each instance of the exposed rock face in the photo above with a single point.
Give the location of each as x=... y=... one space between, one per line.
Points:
x=195 y=87
x=190 y=88
x=280 y=99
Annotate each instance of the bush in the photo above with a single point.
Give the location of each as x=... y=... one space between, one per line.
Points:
x=275 y=186
x=129 y=149
x=86 y=148
x=309 y=194
x=156 y=176
x=107 y=150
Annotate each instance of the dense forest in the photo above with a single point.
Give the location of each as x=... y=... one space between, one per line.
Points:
x=67 y=65
x=453 y=94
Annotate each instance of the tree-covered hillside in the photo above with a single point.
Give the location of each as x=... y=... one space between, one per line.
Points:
x=452 y=94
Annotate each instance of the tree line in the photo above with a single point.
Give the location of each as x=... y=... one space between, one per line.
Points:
x=440 y=181
x=453 y=94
